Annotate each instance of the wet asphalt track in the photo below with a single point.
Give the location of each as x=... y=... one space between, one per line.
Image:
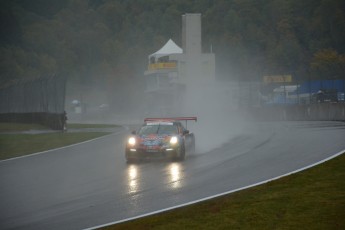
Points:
x=90 y=184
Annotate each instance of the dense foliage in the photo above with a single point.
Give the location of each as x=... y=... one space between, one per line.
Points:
x=107 y=41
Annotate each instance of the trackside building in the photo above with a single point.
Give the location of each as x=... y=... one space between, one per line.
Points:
x=172 y=69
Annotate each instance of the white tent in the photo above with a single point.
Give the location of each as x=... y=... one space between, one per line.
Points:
x=169 y=48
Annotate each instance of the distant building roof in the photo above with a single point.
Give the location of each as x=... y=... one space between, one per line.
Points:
x=169 y=48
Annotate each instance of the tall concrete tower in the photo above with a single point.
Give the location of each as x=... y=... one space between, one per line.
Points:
x=173 y=73
x=191 y=34
x=200 y=67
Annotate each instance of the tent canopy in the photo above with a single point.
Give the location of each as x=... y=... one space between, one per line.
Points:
x=169 y=48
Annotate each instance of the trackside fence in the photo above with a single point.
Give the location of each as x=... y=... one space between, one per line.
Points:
x=313 y=112
x=40 y=101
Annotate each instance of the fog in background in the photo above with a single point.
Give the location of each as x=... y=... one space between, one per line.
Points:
x=101 y=48
x=215 y=105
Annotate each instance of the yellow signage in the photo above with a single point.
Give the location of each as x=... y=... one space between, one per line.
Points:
x=277 y=79
x=162 y=65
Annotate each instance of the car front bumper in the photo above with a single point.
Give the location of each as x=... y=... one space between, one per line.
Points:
x=137 y=153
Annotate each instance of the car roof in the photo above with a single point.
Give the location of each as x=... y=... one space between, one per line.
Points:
x=162 y=123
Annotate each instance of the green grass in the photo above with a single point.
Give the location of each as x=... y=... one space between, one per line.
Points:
x=17 y=127
x=87 y=126
x=312 y=199
x=15 y=145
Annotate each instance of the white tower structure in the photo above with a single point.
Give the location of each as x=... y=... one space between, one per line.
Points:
x=172 y=69
x=191 y=34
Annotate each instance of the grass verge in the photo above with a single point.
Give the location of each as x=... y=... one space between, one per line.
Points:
x=15 y=145
x=312 y=199
x=18 y=127
x=89 y=126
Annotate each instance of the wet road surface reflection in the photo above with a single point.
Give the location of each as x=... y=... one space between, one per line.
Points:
x=132 y=178
x=169 y=174
x=175 y=171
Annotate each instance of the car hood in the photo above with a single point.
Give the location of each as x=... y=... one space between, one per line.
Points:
x=154 y=137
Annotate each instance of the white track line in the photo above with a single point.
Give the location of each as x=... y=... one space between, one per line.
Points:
x=64 y=147
x=218 y=195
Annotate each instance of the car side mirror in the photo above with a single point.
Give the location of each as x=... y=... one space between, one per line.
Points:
x=185 y=132
x=133 y=132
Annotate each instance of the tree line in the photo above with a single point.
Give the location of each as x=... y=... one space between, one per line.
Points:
x=107 y=41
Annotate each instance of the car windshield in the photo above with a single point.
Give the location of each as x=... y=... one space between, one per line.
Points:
x=158 y=129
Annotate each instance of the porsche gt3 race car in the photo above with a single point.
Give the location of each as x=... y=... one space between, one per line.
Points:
x=161 y=138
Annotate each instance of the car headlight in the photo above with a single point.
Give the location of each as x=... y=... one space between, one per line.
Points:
x=131 y=141
x=173 y=140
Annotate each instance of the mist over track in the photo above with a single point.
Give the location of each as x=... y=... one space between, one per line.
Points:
x=90 y=184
